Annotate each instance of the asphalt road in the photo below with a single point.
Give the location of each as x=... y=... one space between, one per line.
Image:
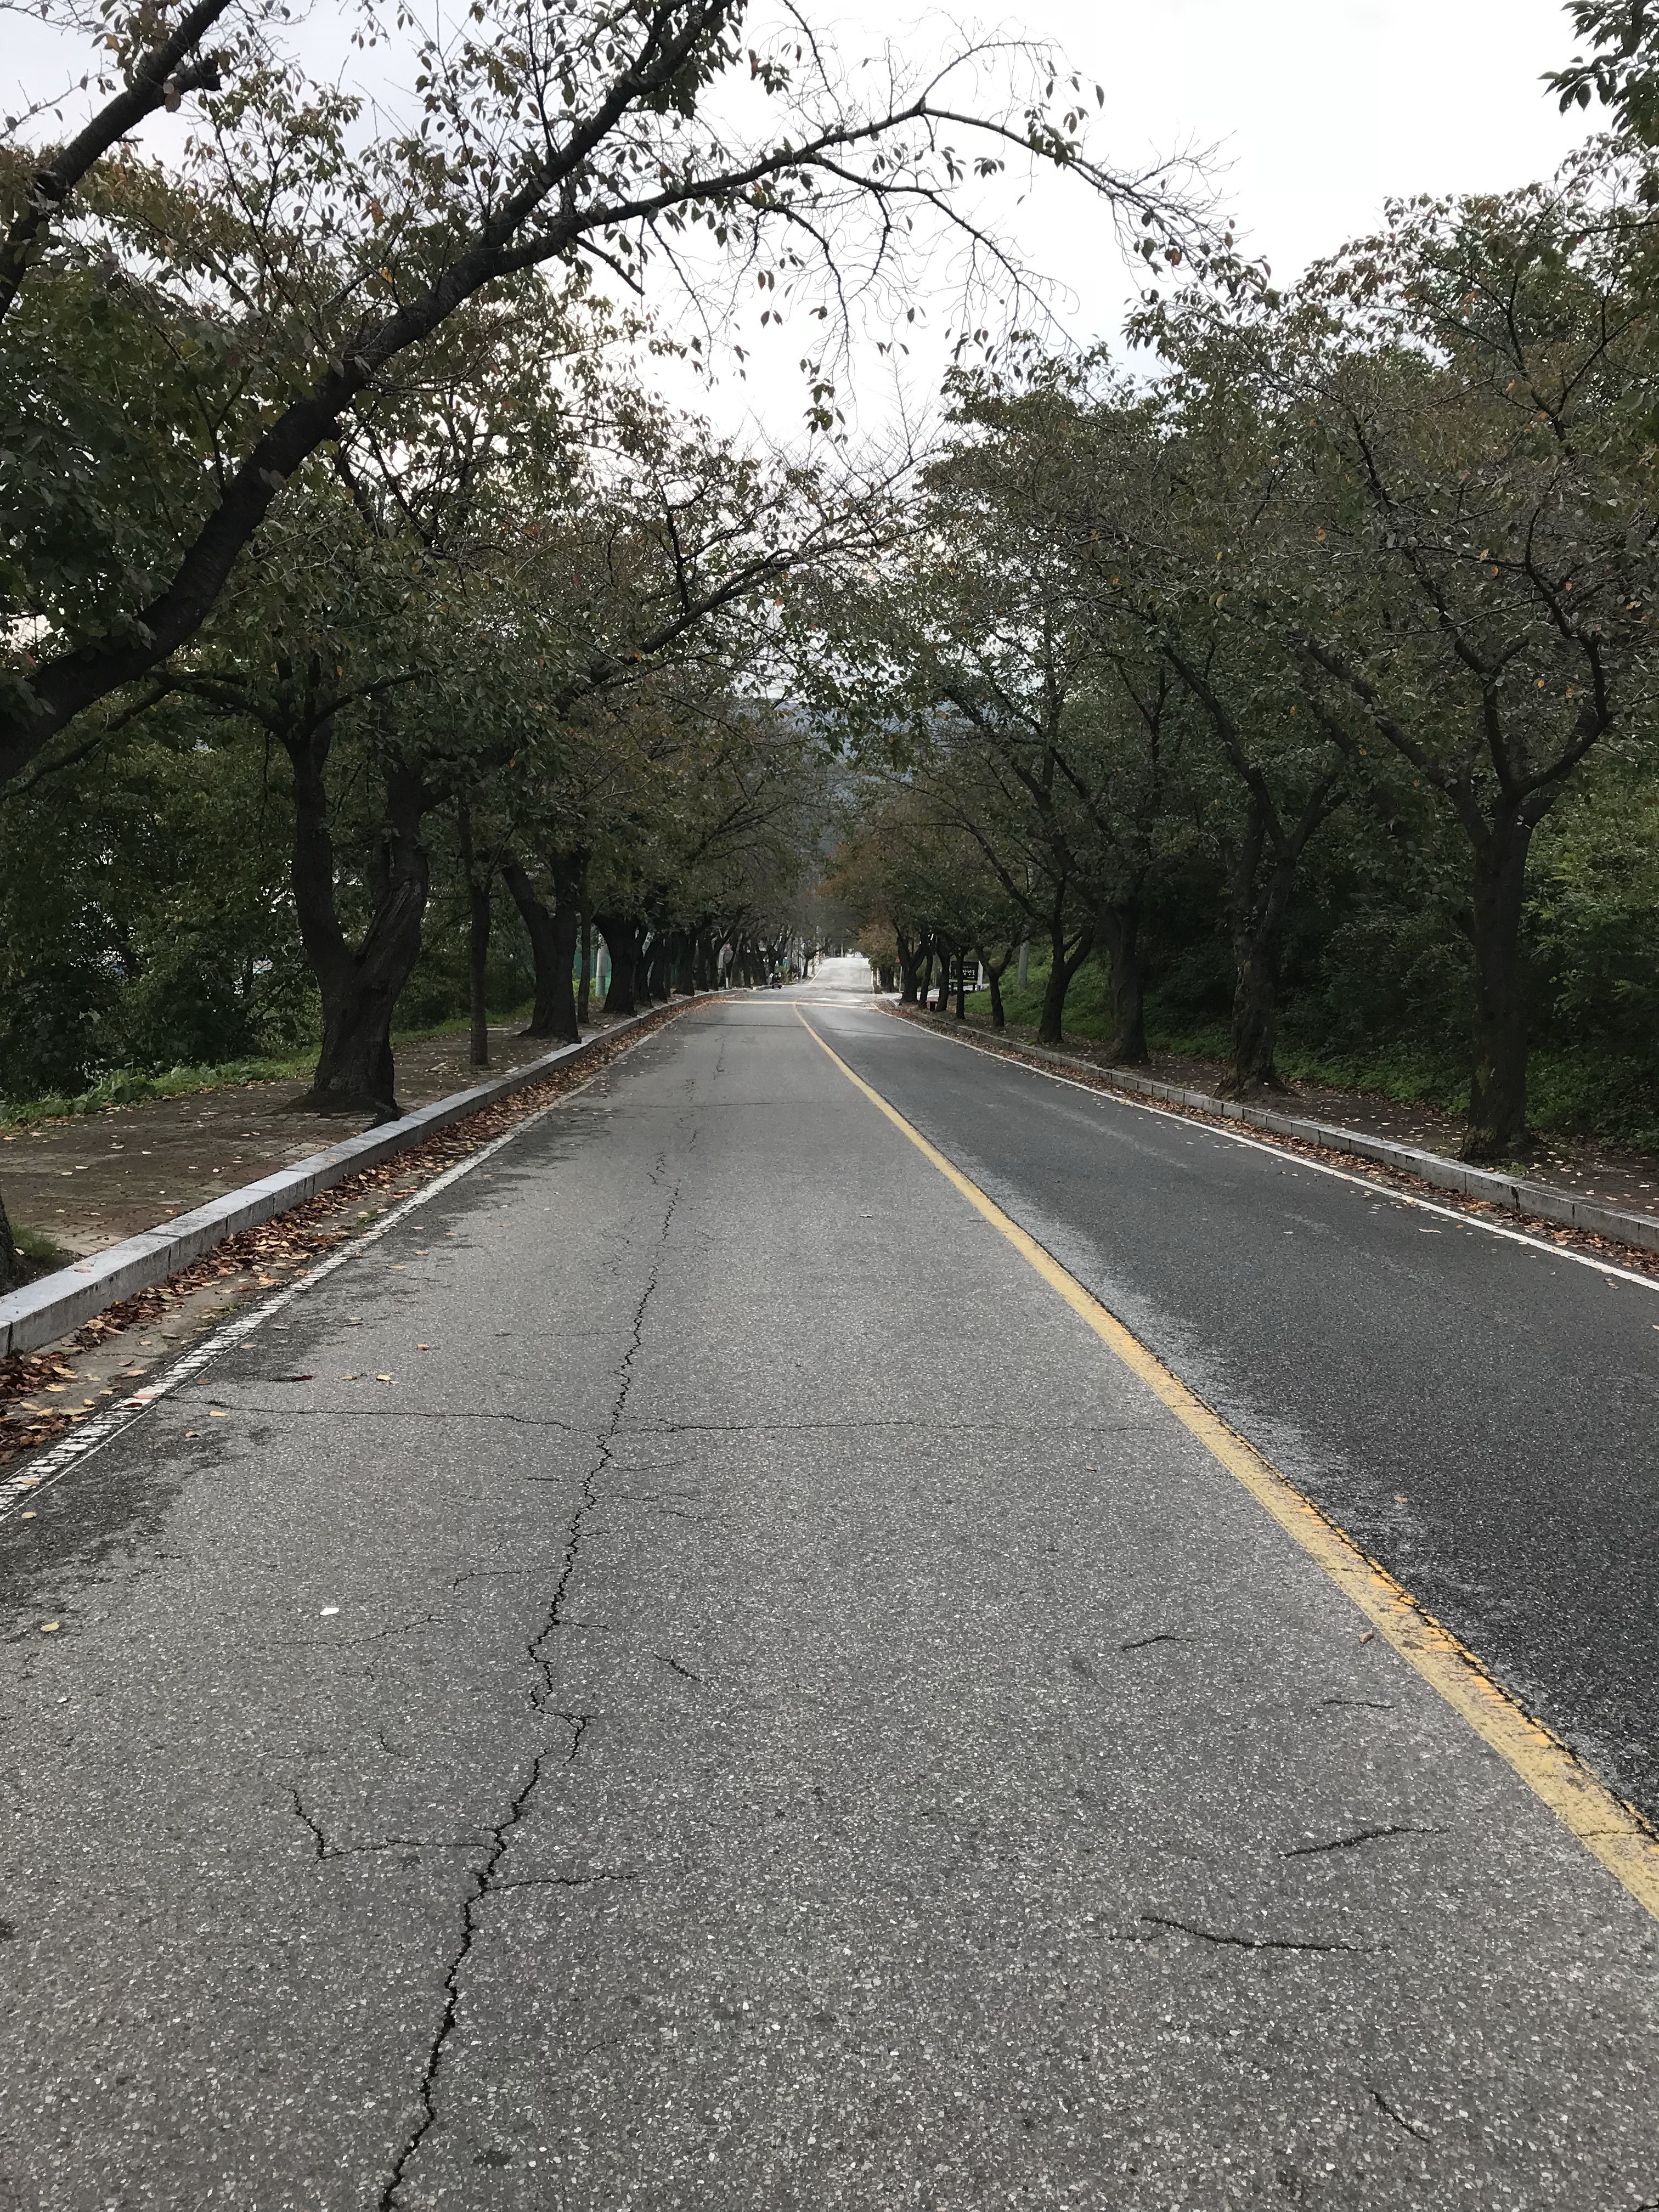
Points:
x=683 y=1676
x=1481 y=1412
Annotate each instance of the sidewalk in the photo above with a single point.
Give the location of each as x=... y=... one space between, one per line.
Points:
x=87 y=1181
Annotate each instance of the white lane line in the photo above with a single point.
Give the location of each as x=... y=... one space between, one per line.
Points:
x=1107 y=1097
x=51 y=1466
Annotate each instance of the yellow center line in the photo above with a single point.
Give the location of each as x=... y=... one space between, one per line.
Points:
x=1604 y=1824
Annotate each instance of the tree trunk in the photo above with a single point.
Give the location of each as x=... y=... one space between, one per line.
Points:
x=1062 y=969
x=1119 y=927
x=1258 y=915
x=622 y=940
x=962 y=986
x=11 y=1260
x=685 y=963
x=994 y=972
x=1498 y=1081
x=662 y=967
x=552 y=946
x=1256 y=1019
x=585 y=984
x=360 y=990
x=477 y=948
x=908 y=955
x=1024 y=963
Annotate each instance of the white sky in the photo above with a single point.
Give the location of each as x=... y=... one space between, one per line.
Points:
x=1320 y=110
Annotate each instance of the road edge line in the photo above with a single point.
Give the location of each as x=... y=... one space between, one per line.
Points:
x=1525 y=1198
x=1612 y=1830
x=1199 y=1118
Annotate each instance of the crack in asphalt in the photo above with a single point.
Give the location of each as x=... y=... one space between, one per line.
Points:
x=1163 y=1636
x=667 y=1659
x=350 y=1642
x=570 y=1880
x=577 y=1723
x=1411 y=2127
x=325 y=1850
x=484 y=1876
x=483 y=1883
x=587 y=1496
x=394 y=1414
x=1359 y=1836
x=1231 y=1941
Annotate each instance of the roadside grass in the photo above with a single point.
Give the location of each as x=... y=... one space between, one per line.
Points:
x=37 y=1248
x=127 y=1086
x=1594 y=1093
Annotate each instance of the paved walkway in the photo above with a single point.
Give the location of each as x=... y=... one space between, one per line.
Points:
x=89 y=1182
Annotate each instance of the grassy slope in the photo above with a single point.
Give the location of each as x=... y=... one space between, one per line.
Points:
x=122 y=1086
x=1591 y=1093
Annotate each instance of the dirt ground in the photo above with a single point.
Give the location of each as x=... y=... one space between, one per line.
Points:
x=90 y=1180
x=1605 y=1173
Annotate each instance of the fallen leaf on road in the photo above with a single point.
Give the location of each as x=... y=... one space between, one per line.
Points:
x=1367 y=1635
x=424 y=1348
x=215 y=1414
x=49 y=1628
x=386 y=1378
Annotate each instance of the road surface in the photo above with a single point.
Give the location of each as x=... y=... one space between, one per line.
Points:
x=684 y=1675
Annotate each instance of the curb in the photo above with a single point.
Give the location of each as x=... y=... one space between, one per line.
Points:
x=1539 y=1201
x=57 y=1304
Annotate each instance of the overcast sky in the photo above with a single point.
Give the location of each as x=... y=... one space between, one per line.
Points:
x=1320 y=110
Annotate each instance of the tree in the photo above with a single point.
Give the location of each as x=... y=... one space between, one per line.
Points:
x=161 y=68
x=1483 y=472
x=574 y=139
x=1621 y=69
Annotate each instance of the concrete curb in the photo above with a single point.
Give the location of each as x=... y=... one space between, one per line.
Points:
x=51 y=1308
x=1539 y=1201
